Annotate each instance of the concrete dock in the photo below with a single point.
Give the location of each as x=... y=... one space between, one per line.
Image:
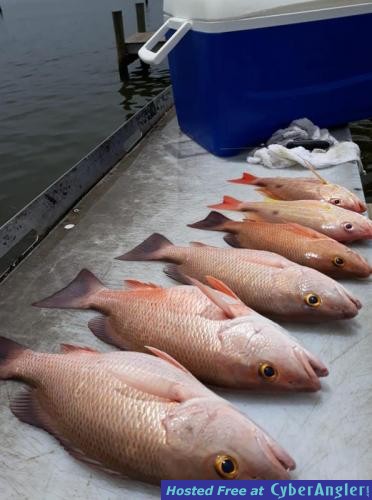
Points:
x=166 y=182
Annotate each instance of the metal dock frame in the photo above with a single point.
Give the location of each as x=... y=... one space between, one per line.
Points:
x=30 y=225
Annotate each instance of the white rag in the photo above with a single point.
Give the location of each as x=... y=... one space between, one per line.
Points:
x=276 y=155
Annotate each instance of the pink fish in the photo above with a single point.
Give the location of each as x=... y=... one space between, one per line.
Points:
x=335 y=222
x=297 y=243
x=138 y=416
x=304 y=188
x=213 y=334
x=266 y=282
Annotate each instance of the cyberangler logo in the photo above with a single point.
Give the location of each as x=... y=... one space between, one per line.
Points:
x=318 y=489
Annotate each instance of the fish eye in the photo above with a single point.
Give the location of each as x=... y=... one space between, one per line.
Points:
x=339 y=262
x=335 y=201
x=226 y=466
x=268 y=372
x=348 y=226
x=313 y=300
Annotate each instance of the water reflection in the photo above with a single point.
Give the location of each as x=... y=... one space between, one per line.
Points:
x=143 y=84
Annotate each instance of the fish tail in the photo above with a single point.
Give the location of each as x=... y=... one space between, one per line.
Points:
x=229 y=203
x=246 y=179
x=77 y=295
x=153 y=248
x=10 y=354
x=213 y=222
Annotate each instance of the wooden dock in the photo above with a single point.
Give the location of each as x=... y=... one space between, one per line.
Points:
x=127 y=49
x=135 y=42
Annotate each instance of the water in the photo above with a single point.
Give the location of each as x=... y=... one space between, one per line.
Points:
x=60 y=92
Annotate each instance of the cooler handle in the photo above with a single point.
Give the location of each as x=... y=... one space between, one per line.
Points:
x=146 y=53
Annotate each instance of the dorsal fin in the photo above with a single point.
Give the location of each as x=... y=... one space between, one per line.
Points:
x=139 y=285
x=198 y=244
x=69 y=348
x=166 y=357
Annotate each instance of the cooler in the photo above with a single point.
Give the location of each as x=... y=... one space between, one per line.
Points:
x=241 y=69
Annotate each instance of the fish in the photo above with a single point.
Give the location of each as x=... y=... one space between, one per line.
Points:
x=335 y=222
x=138 y=415
x=268 y=283
x=208 y=330
x=304 y=188
x=297 y=243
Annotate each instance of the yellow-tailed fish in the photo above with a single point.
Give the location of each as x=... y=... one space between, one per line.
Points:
x=304 y=188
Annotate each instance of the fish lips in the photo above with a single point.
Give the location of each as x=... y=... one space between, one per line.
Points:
x=354 y=307
x=360 y=207
x=313 y=369
x=345 y=305
x=281 y=463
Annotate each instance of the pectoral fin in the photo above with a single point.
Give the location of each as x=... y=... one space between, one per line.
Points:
x=232 y=309
x=166 y=357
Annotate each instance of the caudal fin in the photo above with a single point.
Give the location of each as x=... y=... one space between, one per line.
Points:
x=213 y=222
x=10 y=352
x=246 y=179
x=229 y=203
x=153 y=248
x=77 y=295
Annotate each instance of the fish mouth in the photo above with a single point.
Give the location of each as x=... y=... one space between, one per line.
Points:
x=351 y=305
x=364 y=270
x=318 y=366
x=281 y=461
x=313 y=369
x=356 y=305
x=358 y=206
x=361 y=207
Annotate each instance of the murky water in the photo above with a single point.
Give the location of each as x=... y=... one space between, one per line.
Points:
x=60 y=92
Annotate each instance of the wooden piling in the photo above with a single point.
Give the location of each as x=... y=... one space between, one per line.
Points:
x=117 y=18
x=141 y=21
x=141 y=25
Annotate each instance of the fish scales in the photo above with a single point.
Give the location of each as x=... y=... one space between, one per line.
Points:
x=98 y=404
x=305 y=188
x=125 y=309
x=265 y=281
x=210 y=331
x=333 y=221
x=297 y=243
x=252 y=282
x=137 y=415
